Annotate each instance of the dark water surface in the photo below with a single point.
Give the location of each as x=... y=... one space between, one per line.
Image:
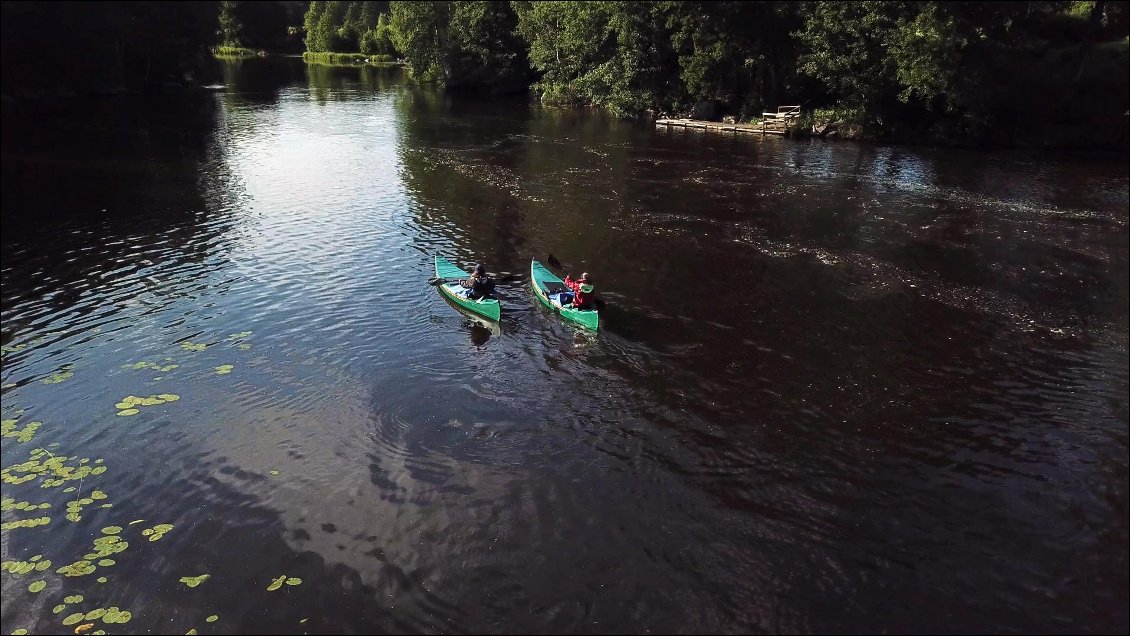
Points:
x=838 y=387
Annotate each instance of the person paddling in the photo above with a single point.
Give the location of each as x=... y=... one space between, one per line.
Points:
x=479 y=285
x=582 y=296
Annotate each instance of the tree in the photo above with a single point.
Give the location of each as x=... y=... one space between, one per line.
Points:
x=611 y=54
x=229 y=24
x=419 y=32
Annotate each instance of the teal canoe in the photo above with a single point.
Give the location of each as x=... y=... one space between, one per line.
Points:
x=546 y=283
x=488 y=307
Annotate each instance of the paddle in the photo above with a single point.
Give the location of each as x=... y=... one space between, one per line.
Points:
x=501 y=278
x=556 y=263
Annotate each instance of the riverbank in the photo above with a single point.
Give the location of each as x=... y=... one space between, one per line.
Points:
x=350 y=59
x=236 y=52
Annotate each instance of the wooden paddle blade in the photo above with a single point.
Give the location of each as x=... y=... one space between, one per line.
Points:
x=556 y=263
x=434 y=281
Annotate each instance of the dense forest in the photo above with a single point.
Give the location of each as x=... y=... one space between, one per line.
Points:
x=1037 y=73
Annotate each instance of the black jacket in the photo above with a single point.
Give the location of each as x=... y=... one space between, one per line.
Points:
x=480 y=286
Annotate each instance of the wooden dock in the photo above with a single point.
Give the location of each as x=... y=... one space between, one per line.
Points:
x=776 y=123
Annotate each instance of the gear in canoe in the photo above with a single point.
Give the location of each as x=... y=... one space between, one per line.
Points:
x=473 y=293
x=549 y=289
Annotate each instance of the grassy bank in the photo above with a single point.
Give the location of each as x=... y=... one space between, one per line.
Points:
x=347 y=59
x=236 y=51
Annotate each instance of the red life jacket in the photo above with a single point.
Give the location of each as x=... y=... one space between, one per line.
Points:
x=580 y=298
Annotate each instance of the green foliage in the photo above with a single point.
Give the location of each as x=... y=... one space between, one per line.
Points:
x=1050 y=72
x=334 y=26
x=234 y=52
x=607 y=54
x=378 y=40
x=419 y=32
x=229 y=24
x=484 y=49
x=347 y=59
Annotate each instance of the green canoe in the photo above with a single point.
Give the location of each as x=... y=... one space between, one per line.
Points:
x=488 y=307
x=546 y=283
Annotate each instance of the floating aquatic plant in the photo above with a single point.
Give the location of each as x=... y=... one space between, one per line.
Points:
x=193 y=581
x=20 y=568
x=163 y=368
x=37 y=587
x=116 y=615
x=128 y=405
x=25 y=523
x=224 y=369
x=73 y=618
x=156 y=532
x=8 y=429
x=62 y=375
x=78 y=568
x=278 y=582
x=74 y=508
x=193 y=346
x=9 y=503
x=212 y=619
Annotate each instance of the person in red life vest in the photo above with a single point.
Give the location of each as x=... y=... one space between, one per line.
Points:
x=582 y=296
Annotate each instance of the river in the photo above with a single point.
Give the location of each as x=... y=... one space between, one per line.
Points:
x=837 y=387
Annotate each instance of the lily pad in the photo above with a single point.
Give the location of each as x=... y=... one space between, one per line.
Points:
x=37 y=587
x=78 y=568
x=58 y=608
x=73 y=618
x=74 y=598
x=276 y=584
x=193 y=581
x=105 y=563
x=294 y=580
x=95 y=614
x=128 y=412
x=111 y=530
x=212 y=619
